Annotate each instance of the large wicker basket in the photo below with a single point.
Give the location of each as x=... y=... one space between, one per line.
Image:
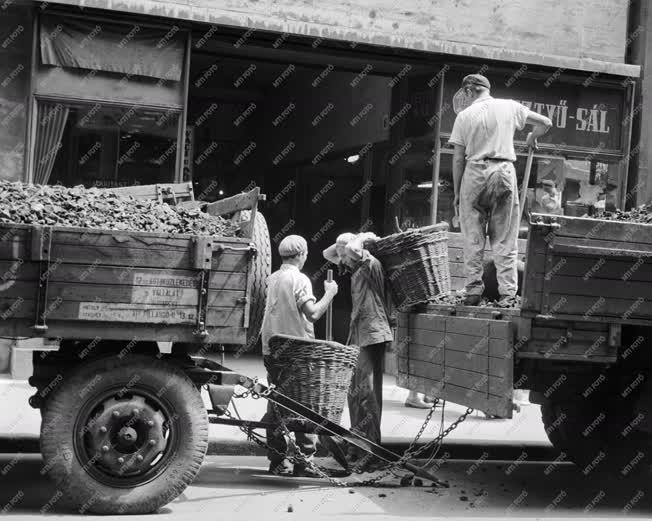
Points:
x=315 y=373
x=416 y=263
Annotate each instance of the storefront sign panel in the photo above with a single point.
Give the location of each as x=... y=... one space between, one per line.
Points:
x=584 y=117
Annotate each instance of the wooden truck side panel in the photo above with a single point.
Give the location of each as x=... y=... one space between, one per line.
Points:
x=141 y=283
x=460 y=359
x=590 y=270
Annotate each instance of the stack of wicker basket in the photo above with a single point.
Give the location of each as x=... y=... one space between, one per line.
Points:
x=416 y=263
x=315 y=373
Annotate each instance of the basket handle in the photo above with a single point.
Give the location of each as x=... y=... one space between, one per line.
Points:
x=442 y=226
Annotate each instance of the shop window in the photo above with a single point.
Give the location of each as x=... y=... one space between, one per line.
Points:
x=104 y=146
x=558 y=185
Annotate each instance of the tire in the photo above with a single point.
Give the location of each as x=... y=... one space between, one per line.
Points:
x=262 y=267
x=593 y=433
x=136 y=394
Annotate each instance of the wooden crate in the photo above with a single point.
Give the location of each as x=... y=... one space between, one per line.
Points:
x=589 y=269
x=122 y=285
x=461 y=359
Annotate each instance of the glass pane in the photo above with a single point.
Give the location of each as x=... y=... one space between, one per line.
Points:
x=106 y=146
x=591 y=187
x=557 y=186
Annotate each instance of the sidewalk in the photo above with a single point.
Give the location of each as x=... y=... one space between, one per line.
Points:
x=20 y=423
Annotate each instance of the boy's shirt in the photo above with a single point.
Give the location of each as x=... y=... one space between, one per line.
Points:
x=287 y=291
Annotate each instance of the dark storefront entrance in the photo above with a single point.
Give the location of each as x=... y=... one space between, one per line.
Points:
x=307 y=133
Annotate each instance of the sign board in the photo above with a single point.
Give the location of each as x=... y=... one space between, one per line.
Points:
x=583 y=117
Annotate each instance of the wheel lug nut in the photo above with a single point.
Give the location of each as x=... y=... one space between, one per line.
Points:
x=121 y=460
x=152 y=442
x=135 y=412
x=150 y=423
x=139 y=457
x=116 y=413
x=103 y=430
x=105 y=448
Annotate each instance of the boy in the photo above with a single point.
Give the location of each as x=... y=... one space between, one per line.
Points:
x=291 y=309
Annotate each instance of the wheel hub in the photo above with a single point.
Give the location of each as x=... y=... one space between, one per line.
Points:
x=126 y=437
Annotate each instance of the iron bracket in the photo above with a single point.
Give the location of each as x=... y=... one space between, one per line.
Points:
x=41 y=249
x=203 y=262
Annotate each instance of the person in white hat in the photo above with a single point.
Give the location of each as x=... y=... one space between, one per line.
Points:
x=369 y=329
x=291 y=309
x=550 y=200
x=335 y=252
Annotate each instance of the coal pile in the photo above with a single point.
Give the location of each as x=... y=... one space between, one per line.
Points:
x=81 y=207
x=453 y=298
x=457 y=299
x=642 y=214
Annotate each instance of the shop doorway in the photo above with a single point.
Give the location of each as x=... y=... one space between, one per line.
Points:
x=304 y=134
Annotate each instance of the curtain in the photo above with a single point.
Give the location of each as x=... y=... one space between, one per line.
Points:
x=52 y=118
x=113 y=47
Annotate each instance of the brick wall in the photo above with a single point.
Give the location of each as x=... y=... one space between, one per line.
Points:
x=15 y=57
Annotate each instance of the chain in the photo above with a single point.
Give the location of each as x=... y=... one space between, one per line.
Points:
x=302 y=458
x=411 y=453
x=391 y=467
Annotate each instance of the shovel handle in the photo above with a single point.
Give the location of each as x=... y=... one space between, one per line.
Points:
x=526 y=182
x=329 y=311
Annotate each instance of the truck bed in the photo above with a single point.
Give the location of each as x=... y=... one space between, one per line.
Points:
x=122 y=285
x=589 y=269
x=585 y=279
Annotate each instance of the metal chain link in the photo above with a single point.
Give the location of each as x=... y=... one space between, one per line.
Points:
x=389 y=469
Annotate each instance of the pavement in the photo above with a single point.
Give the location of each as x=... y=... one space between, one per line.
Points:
x=19 y=423
x=238 y=487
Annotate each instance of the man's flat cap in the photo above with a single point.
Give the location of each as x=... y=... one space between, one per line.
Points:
x=476 y=79
x=292 y=245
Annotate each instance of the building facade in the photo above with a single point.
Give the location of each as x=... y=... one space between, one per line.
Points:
x=340 y=109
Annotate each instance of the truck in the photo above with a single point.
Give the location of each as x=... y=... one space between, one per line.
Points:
x=580 y=341
x=128 y=321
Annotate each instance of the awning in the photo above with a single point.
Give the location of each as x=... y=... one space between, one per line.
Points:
x=129 y=49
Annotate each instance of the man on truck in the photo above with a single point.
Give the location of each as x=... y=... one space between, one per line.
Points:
x=484 y=181
x=291 y=309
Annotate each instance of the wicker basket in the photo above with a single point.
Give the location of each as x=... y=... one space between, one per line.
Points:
x=416 y=264
x=315 y=373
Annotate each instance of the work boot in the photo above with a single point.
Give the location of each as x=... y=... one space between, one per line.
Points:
x=281 y=468
x=509 y=301
x=301 y=470
x=472 y=300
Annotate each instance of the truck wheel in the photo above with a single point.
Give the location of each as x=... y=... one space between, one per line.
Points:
x=261 y=270
x=124 y=436
x=592 y=433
